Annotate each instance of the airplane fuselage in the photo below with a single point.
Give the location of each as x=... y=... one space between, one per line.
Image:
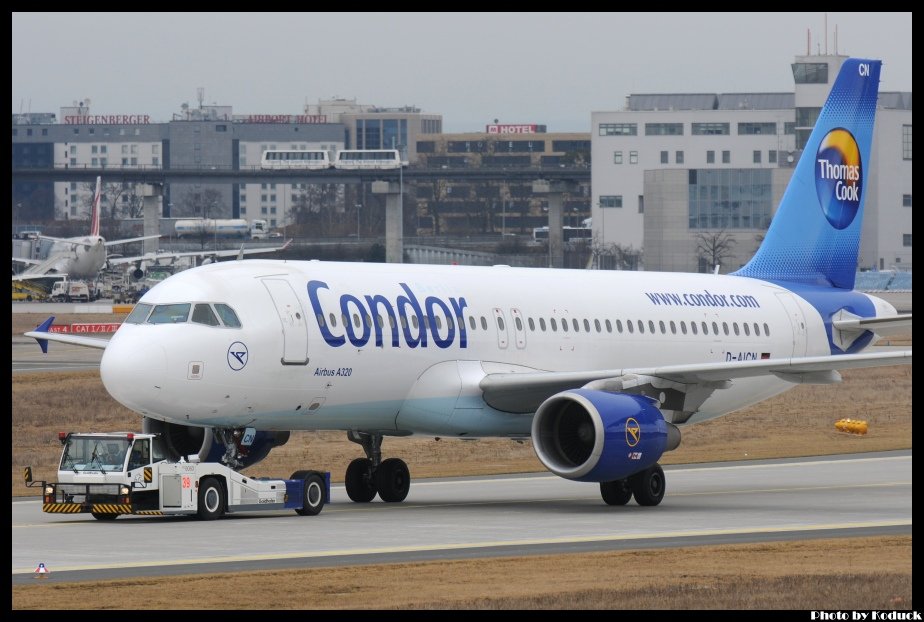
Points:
x=401 y=349
x=81 y=258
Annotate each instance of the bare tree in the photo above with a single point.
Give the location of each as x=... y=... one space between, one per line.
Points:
x=713 y=248
x=315 y=210
x=613 y=256
x=205 y=204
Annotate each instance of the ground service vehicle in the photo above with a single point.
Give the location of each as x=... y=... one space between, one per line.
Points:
x=73 y=291
x=221 y=228
x=109 y=474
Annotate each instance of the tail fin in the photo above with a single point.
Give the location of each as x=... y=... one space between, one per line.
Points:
x=94 y=211
x=814 y=237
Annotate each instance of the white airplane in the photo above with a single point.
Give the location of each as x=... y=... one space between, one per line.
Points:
x=84 y=257
x=602 y=370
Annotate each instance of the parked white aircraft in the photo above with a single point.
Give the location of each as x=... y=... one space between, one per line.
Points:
x=602 y=370
x=84 y=257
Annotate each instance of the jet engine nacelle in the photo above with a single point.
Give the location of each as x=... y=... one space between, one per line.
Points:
x=183 y=441
x=597 y=436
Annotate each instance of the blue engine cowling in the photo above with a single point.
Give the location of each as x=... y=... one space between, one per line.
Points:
x=183 y=441
x=596 y=436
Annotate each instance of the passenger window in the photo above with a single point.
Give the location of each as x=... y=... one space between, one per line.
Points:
x=500 y=323
x=661 y=326
x=449 y=323
x=403 y=321
x=333 y=320
x=683 y=327
x=673 y=328
x=641 y=327
x=542 y=324
x=747 y=331
x=725 y=328
x=471 y=322
x=587 y=326
x=414 y=321
x=439 y=322
x=379 y=320
x=705 y=328
x=735 y=326
x=139 y=314
x=597 y=325
x=532 y=325
x=609 y=327
x=577 y=327
x=554 y=325
x=356 y=320
x=228 y=316
x=519 y=323
x=619 y=325
x=345 y=320
x=203 y=314
x=756 y=329
x=321 y=320
x=651 y=327
x=391 y=321
x=564 y=325
x=693 y=327
x=629 y=326
x=484 y=323
x=766 y=330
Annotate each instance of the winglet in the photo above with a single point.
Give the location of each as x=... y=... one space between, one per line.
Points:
x=240 y=254
x=44 y=328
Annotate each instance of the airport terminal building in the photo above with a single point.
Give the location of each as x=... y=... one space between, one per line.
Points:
x=687 y=178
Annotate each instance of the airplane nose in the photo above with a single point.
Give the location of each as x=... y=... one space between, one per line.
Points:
x=134 y=376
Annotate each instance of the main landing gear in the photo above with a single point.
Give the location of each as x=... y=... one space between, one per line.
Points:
x=647 y=486
x=370 y=475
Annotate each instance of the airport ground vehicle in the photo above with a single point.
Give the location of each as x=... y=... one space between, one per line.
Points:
x=223 y=228
x=73 y=291
x=110 y=474
x=28 y=291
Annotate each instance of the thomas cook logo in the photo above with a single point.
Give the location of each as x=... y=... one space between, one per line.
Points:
x=839 y=177
x=237 y=356
x=633 y=432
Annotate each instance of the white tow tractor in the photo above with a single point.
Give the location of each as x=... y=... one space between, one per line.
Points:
x=109 y=474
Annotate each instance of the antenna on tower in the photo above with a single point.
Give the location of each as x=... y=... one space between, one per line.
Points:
x=200 y=95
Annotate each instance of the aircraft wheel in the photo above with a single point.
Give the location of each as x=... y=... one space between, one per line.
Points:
x=313 y=499
x=393 y=480
x=360 y=485
x=648 y=486
x=616 y=492
x=211 y=499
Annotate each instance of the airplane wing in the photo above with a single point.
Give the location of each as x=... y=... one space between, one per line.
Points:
x=43 y=336
x=127 y=240
x=42 y=269
x=203 y=254
x=685 y=387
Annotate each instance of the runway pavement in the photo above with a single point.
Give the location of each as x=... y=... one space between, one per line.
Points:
x=486 y=516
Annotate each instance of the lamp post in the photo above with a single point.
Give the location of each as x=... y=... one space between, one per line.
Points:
x=359 y=207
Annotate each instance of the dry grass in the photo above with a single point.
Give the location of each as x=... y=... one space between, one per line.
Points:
x=861 y=573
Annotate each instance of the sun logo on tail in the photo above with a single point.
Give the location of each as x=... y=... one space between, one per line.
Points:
x=839 y=177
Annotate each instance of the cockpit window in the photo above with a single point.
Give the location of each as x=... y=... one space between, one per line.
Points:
x=228 y=316
x=170 y=314
x=139 y=314
x=203 y=314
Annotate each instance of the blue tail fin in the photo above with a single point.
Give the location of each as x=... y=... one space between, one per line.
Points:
x=815 y=234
